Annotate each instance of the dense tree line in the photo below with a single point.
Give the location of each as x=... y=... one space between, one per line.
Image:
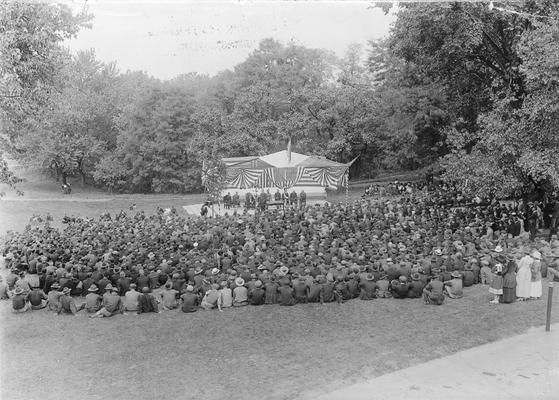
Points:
x=460 y=87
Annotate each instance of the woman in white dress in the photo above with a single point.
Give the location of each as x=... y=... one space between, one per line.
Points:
x=536 y=276
x=524 y=278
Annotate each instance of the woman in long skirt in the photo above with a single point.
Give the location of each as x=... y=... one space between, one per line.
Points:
x=536 y=276
x=509 y=283
x=524 y=278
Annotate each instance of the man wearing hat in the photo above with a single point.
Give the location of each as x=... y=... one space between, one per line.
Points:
x=131 y=298
x=240 y=293
x=53 y=297
x=67 y=304
x=257 y=295
x=190 y=300
x=212 y=298
x=112 y=303
x=19 y=301
x=368 y=287
x=169 y=297
x=433 y=293
x=92 y=299
x=453 y=287
x=416 y=286
x=400 y=287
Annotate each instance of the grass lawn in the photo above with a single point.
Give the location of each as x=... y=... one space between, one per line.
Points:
x=267 y=352
x=270 y=352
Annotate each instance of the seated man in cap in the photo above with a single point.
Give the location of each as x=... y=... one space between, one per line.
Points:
x=212 y=298
x=416 y=286
x=368 y=288
x=54 y=297
x=257 y=295
x=300 y=291
x=240 y=293
x=383 y=287
x=19 y=301
x=131 y=298
x=92 y=299
x=400 y=287
x=112 y=303
x=285 y=295
x=67 y=304
x=190 y=300
x=169 y=297
x=453 y=287
x=37 y=298
x=433 y=293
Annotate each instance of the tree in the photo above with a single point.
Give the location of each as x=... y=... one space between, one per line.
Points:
x=7 y=176
x=69 y=137
x=31 y=54
x=518 y=144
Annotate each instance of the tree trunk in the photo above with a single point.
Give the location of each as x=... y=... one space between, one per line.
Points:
x=82 y=176
x=64 y=177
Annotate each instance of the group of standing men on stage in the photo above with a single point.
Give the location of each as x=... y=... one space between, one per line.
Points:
x=262 y=200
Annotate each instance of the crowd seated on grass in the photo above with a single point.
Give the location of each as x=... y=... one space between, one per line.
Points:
x=406 y=247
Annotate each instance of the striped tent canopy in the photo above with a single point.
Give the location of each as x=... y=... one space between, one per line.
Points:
x=284 y=170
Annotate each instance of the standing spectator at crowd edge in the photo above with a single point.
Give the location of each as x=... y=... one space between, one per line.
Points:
x=485 y=273
x=536 y=276
x=496 y=286
x=509 y=283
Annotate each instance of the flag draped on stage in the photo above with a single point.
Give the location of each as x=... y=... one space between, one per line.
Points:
x=284 y=170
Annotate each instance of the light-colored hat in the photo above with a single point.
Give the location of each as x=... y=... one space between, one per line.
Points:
x=215 y=271
x=190 y=288
x=498 y=249
x=239 y=281
x=438 y=252
x=66 y=290
x=109 y=287
x=258 y=284
x=92 y=288
x=20 y=290
x=456 y=274
x=536 y=255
